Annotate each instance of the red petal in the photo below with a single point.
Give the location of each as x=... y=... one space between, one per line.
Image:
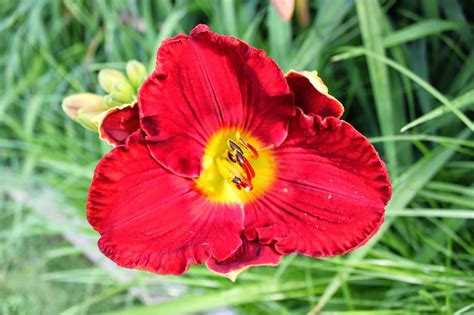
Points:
x=312 y=95
x=153 y=220
x=203 y=83
x=119 y=123
x=329 y=195
x=249 y=254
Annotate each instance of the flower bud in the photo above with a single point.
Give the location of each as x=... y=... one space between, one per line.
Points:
x=83 y=108
x=87 y=102
x=136 y=73
x=284 y=8
x=122 y=92
x=111 y=103
x=86 y=121
x=109 y=77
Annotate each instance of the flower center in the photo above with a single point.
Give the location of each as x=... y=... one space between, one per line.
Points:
x=234 y=165
x=236 y=168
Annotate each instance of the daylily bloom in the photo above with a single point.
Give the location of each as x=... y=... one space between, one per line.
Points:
x=234 y=165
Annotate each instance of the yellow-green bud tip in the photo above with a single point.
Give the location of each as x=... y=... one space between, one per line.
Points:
x=86 y=101
x=110 y=77
x=84 y=107
x=136 y=73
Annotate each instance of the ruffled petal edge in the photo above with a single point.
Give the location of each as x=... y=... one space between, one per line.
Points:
x=312 y=95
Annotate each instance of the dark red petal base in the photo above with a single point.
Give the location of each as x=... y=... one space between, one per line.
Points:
x=119 y=123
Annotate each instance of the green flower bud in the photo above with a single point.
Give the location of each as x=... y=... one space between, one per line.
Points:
x=122 y=92
x=87 y=121
x=112 y=103
x=108 y=78
x=136 y=73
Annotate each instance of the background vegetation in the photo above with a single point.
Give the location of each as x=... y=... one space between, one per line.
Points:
x=396 y=65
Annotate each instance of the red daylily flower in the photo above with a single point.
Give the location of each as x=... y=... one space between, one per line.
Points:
x=232 y=165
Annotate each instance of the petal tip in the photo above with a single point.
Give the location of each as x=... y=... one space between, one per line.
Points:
x=249 y=254
x=117 y=124
x=312 y=95
x=198 y=29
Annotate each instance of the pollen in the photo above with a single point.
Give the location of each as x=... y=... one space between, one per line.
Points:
x=236 y=167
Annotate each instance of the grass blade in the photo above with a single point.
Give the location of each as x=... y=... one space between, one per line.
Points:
x=432 y=213
x=370 y=21
x=458 y=103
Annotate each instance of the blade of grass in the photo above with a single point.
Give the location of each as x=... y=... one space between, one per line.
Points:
x=329 y=19
x=449 y=187
x=370 y=22
x=279 y=32
x=228 y=14
x=436 y=213
x=423 y=137
x=234 y=296
x=420 y=30
x=417 y=31
x=459 y=103
x=455 y=200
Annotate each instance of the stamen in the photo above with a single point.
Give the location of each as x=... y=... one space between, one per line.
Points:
x=248 y=188
x=248 y=175
x=235 y=165
x=234 y=146
x=254 y=151
x=249 y=147
x=228 y=169
x=240 y=158
x=231 y=157
x=249 y=166
x=237 y=180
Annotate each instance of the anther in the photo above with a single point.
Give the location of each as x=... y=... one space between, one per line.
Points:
x=237 y=180
x=240 y=158
x=231 y=157
x=234 y=146
x=237 y=166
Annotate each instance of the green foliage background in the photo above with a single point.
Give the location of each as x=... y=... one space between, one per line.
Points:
x=394 y=64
